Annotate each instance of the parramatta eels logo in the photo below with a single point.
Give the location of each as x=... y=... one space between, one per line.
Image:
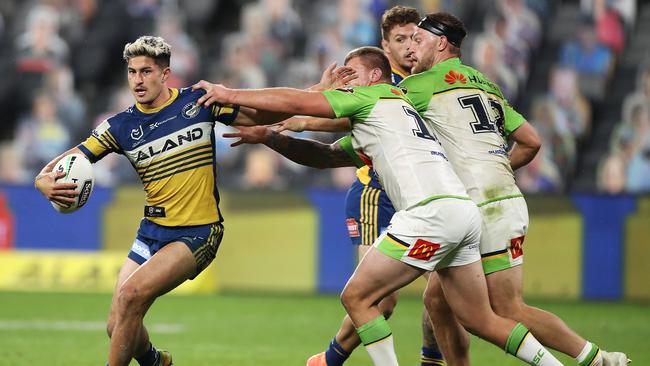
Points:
x=190 y=110
x=137 y=133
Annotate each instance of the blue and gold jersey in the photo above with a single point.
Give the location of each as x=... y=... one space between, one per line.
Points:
x=172 y=149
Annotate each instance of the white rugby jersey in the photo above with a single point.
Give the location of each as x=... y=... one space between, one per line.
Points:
x=389 y=135
x=472 y=120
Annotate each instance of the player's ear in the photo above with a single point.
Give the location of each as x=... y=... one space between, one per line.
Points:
x=375 y=75
x=443 y=42
x=166 y=74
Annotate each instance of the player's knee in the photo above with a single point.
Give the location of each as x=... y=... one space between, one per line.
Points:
x=131 y=298
x=507 y=306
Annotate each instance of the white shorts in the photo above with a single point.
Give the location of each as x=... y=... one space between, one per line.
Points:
x=504 y=228
x=443 y=233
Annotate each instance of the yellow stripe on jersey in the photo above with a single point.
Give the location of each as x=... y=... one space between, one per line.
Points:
x=169 y=101
x=363 y=174
x=375 y=222
x=174 y=155
x=190 y=156
x=185 y=204
x=111 y=140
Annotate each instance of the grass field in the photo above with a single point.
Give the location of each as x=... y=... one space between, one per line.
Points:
x=271 y=330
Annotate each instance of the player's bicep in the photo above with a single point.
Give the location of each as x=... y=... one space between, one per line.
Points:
x=347 y=152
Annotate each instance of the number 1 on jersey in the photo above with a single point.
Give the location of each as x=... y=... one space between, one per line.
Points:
x=421 y=130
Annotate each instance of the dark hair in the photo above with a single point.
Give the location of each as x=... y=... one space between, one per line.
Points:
x=372 y=57
x=397 y=15
x=452 y=25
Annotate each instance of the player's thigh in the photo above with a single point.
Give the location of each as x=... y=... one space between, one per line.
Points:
x=466 y=293
x=172 y=265
x=377 y=276
x=504 y=228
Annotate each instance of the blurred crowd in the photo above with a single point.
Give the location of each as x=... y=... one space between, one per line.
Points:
x=65 y=75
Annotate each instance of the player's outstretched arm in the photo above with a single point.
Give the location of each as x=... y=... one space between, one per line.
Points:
x=281 y=100
x=299 y=124
x=310 y=153
x=45 y=182
x=527 y=144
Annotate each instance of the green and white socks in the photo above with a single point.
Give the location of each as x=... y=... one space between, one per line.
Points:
x=523 y=345
x=590 y=355
x=377 y=337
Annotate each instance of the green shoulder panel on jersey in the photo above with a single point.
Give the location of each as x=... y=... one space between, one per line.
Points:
x=346 y=144
x=449 y=75
x=358 y=102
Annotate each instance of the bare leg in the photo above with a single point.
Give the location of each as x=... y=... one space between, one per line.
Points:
x=452 y=338
x=164 y=271
x=376 y=277
x=347 y=335
x=505 y=290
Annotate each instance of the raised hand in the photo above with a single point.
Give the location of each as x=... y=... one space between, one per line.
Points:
x=249 y=135
x=214 y=93
x=62 y=193
x=334 y=77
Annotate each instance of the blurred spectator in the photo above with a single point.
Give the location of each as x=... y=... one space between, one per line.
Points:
x=626 y=8
x=557 y=138
x=638 y=170
x=522 y=22
x=586 y=55
x=185 y=61
x=609 y=26
x=238 y=68
x=70 y=107
x=611 y=174
x=488 y=58
x=285 y=26
x=39 y=49
x=356 y=25
x=641 y=94
x=566 y=97
x=41 y=136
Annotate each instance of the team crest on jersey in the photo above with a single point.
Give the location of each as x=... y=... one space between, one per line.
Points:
x=452 y=77
x=190 y=110
x=137 y=133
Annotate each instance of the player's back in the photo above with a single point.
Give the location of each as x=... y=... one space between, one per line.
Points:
x=389 y=133
x=472 y=120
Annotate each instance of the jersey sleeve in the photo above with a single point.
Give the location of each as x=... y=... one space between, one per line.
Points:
x=346 y=144
x=513 y=119
x=225 y=113
x=349 y=102
x=100 y=143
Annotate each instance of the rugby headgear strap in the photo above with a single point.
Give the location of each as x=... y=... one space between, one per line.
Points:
x=455 y=37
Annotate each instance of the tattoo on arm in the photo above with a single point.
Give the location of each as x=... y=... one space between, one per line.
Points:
x=310 y=153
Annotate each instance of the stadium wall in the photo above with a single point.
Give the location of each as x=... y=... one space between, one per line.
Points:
x=578 y=247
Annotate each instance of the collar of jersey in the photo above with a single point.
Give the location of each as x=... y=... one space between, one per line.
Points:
x=157 y=109
x=395 y=71
x=449 y=61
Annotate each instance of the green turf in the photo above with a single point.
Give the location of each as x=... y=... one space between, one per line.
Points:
x=270 y=330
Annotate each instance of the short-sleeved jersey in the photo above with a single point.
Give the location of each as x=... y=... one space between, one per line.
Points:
x=389 y=135
x=472 y=119
x=172 y=149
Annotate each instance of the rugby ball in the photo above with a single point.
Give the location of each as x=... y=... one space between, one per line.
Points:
x=79 y=170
